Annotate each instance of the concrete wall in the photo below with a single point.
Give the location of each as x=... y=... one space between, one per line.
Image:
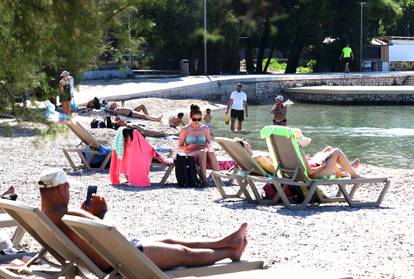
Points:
x=263 y=88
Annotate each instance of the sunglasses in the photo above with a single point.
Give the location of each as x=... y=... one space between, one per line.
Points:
x=196 y=119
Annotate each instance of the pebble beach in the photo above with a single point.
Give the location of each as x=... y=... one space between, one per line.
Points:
x=363 y=243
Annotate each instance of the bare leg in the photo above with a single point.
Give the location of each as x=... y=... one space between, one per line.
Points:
x=239 y=125
x=235 y=240
x=146 y=117
x=171 y=253
x=202 y=162
x=141 y=108
x=168 y=256
x=213 y=161
x=337 y=157
x=66 y=107
x=232 y=121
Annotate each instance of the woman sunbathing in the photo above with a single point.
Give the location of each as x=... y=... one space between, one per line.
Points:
x=134 y=113
x=119 y=122
x=330 y=161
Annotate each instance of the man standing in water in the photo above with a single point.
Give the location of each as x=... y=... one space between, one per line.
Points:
x=347 y=55
x=238 y=105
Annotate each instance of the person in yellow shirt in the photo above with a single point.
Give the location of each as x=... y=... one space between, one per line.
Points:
x=347 y=56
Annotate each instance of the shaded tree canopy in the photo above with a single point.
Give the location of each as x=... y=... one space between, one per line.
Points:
x=39 y=38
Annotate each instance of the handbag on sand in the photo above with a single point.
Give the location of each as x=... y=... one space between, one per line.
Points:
x=186 y=171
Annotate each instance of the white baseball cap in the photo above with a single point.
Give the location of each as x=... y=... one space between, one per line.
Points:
x=64 y=73
x=52 y=177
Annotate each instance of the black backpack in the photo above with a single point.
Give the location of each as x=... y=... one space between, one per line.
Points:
x=186 y=171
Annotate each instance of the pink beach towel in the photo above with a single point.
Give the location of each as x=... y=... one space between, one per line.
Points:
x=135 y=163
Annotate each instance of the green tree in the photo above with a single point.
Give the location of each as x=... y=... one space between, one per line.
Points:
x=39 y=38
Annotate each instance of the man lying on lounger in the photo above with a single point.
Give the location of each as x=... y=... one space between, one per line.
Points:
x=166 y=253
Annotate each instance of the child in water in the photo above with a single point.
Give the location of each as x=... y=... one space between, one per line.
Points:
x=207 y=118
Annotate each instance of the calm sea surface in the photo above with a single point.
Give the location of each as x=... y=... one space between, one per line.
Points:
x=379 y=135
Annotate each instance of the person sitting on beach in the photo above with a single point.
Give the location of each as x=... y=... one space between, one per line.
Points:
x=174 y=122
x=119 y=122
x=279 y=112
x=166 y=253
x=264 y=161
x=318 y=159
x=195 y=139
x=207 y=118
x=330 y=161
x=134 y=113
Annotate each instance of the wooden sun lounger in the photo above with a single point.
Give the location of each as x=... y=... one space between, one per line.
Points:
x=70 y=260
x=87 y=140
x=6 y=221
x=246 y=173
x=291 y=171
x=131 y=263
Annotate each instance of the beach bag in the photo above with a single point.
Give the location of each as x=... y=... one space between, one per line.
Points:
x=293 y=193
x=186 y=171
x=73 y=106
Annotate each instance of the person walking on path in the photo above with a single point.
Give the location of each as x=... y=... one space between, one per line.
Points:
x=279 y=112
x=238 y=105
x=347 y=56
x=67 y=87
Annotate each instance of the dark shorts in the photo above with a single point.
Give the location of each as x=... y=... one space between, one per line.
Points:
x=237 y=114
x=347 y=60
x=280 y=123
x=137 y=243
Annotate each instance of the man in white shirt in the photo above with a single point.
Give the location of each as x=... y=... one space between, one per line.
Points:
x=238 y=105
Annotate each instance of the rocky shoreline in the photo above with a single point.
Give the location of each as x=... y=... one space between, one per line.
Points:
x=363 y=243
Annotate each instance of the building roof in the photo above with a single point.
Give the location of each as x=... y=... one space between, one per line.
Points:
x=389 y=38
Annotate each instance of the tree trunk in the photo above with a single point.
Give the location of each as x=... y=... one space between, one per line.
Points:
x=262 y=47
x=293 y=59
x=249 y=57
x=269 y=58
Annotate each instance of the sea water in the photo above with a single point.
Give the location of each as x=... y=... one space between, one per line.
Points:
x=378 y=135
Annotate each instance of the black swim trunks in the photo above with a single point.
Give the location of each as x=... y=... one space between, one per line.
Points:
x=347 y=60
x=280 y=123
x=137 y=243
x=237 y=114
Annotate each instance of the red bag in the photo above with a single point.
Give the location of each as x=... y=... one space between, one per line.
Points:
x=270 y=192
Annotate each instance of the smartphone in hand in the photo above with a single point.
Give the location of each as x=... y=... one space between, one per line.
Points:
x=91 y=190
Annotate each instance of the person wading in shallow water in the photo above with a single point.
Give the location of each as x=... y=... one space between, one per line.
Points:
x=279 y=112
x=238 y=105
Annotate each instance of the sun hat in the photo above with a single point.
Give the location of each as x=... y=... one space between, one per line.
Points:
x=64 y=73
x=279 y=97
x=52 y=177
x=300 y=138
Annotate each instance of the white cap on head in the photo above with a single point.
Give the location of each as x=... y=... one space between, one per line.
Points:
x=64 y=73
x=52 y=177
x=300 y=138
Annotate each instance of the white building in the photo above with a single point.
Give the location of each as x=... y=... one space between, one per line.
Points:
x=397 y=53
